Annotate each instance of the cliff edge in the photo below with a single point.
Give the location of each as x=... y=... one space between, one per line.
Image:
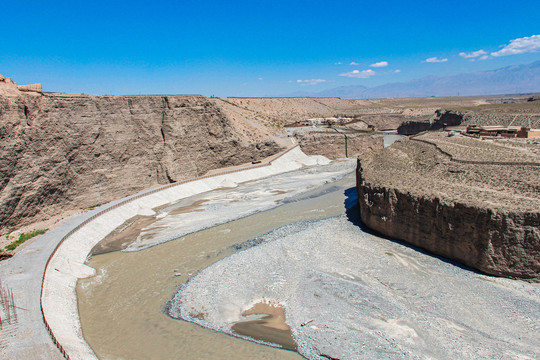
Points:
x=62 y=152
x=469 y=200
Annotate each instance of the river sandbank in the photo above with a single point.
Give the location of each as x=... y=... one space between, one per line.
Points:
x=366 y=297
x=122 y=308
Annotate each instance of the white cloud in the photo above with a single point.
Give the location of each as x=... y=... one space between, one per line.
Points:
x=354 y=63
x=485 y=57
x=380 y=64
x=310 y=82
x=435 y=60
x=397 y=71
x=260 y=79
x=473 y=54
x=364 y=74
x=520 y=46
x=338 y=63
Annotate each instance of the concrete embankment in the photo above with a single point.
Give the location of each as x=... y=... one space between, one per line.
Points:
x=66 y=266
x=482 y=214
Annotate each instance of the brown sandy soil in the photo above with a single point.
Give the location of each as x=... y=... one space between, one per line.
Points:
x=196 y=206
x=417 y=166
x=289 y=110
x=252 y=125
x=125 y=234
x=122 y=236
x=271 y=328
x=468 y=199
x=382 y=114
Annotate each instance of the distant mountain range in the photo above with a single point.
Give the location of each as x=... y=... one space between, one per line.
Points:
x=508 y=80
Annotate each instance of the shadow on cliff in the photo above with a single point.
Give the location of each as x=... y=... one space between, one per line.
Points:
x=352 y=211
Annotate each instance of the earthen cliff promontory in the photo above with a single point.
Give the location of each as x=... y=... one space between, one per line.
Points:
x=470 y=200
x=61 y=151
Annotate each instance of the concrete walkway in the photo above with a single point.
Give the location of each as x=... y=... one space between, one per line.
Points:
x=23 y=274
x=27 y=338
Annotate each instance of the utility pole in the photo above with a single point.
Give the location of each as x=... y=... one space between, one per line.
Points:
x=345 y=135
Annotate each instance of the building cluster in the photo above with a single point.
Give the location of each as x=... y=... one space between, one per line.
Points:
x=503 y=131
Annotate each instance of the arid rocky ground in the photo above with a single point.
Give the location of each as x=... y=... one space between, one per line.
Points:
x=63 y=153
x=473 y=200
x=474 y=173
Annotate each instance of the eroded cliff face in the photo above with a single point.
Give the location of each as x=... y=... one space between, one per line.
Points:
x=333 y=145
x=62 y=152
x=442 y=118
x=471 y=223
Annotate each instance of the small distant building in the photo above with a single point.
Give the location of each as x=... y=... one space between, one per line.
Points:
x=503 y=131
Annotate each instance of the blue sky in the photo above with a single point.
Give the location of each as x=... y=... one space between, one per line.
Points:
x=257 y=48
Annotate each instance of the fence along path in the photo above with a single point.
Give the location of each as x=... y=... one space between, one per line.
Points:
x=266 y=162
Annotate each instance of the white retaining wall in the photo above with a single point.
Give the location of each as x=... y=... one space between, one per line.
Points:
x=67 y=264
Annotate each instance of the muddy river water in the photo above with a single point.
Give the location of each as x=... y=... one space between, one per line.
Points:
x=343 y=292
x=122 y=308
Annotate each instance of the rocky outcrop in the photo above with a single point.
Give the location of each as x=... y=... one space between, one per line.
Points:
x=443 y=118
x=8 y=87
x=61 y=152
x=459 y=211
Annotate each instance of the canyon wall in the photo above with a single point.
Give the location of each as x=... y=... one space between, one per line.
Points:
x=494 y=242
x=442 y=118
x=61 y=152
x=332 y=144
x=444 y=210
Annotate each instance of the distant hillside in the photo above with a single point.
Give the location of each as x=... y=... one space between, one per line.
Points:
x=507 y=80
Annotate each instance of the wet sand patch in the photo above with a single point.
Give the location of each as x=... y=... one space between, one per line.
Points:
x=121 y=237
x=271 y=328
x=196 y=206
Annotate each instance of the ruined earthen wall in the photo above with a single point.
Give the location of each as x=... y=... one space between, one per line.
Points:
x=30 y=87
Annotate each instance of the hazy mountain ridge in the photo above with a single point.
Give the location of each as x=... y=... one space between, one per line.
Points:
x=508 y=80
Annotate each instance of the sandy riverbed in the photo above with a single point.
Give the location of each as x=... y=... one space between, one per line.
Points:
x=368 y=297
x=122 y=309
x=362 y=296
